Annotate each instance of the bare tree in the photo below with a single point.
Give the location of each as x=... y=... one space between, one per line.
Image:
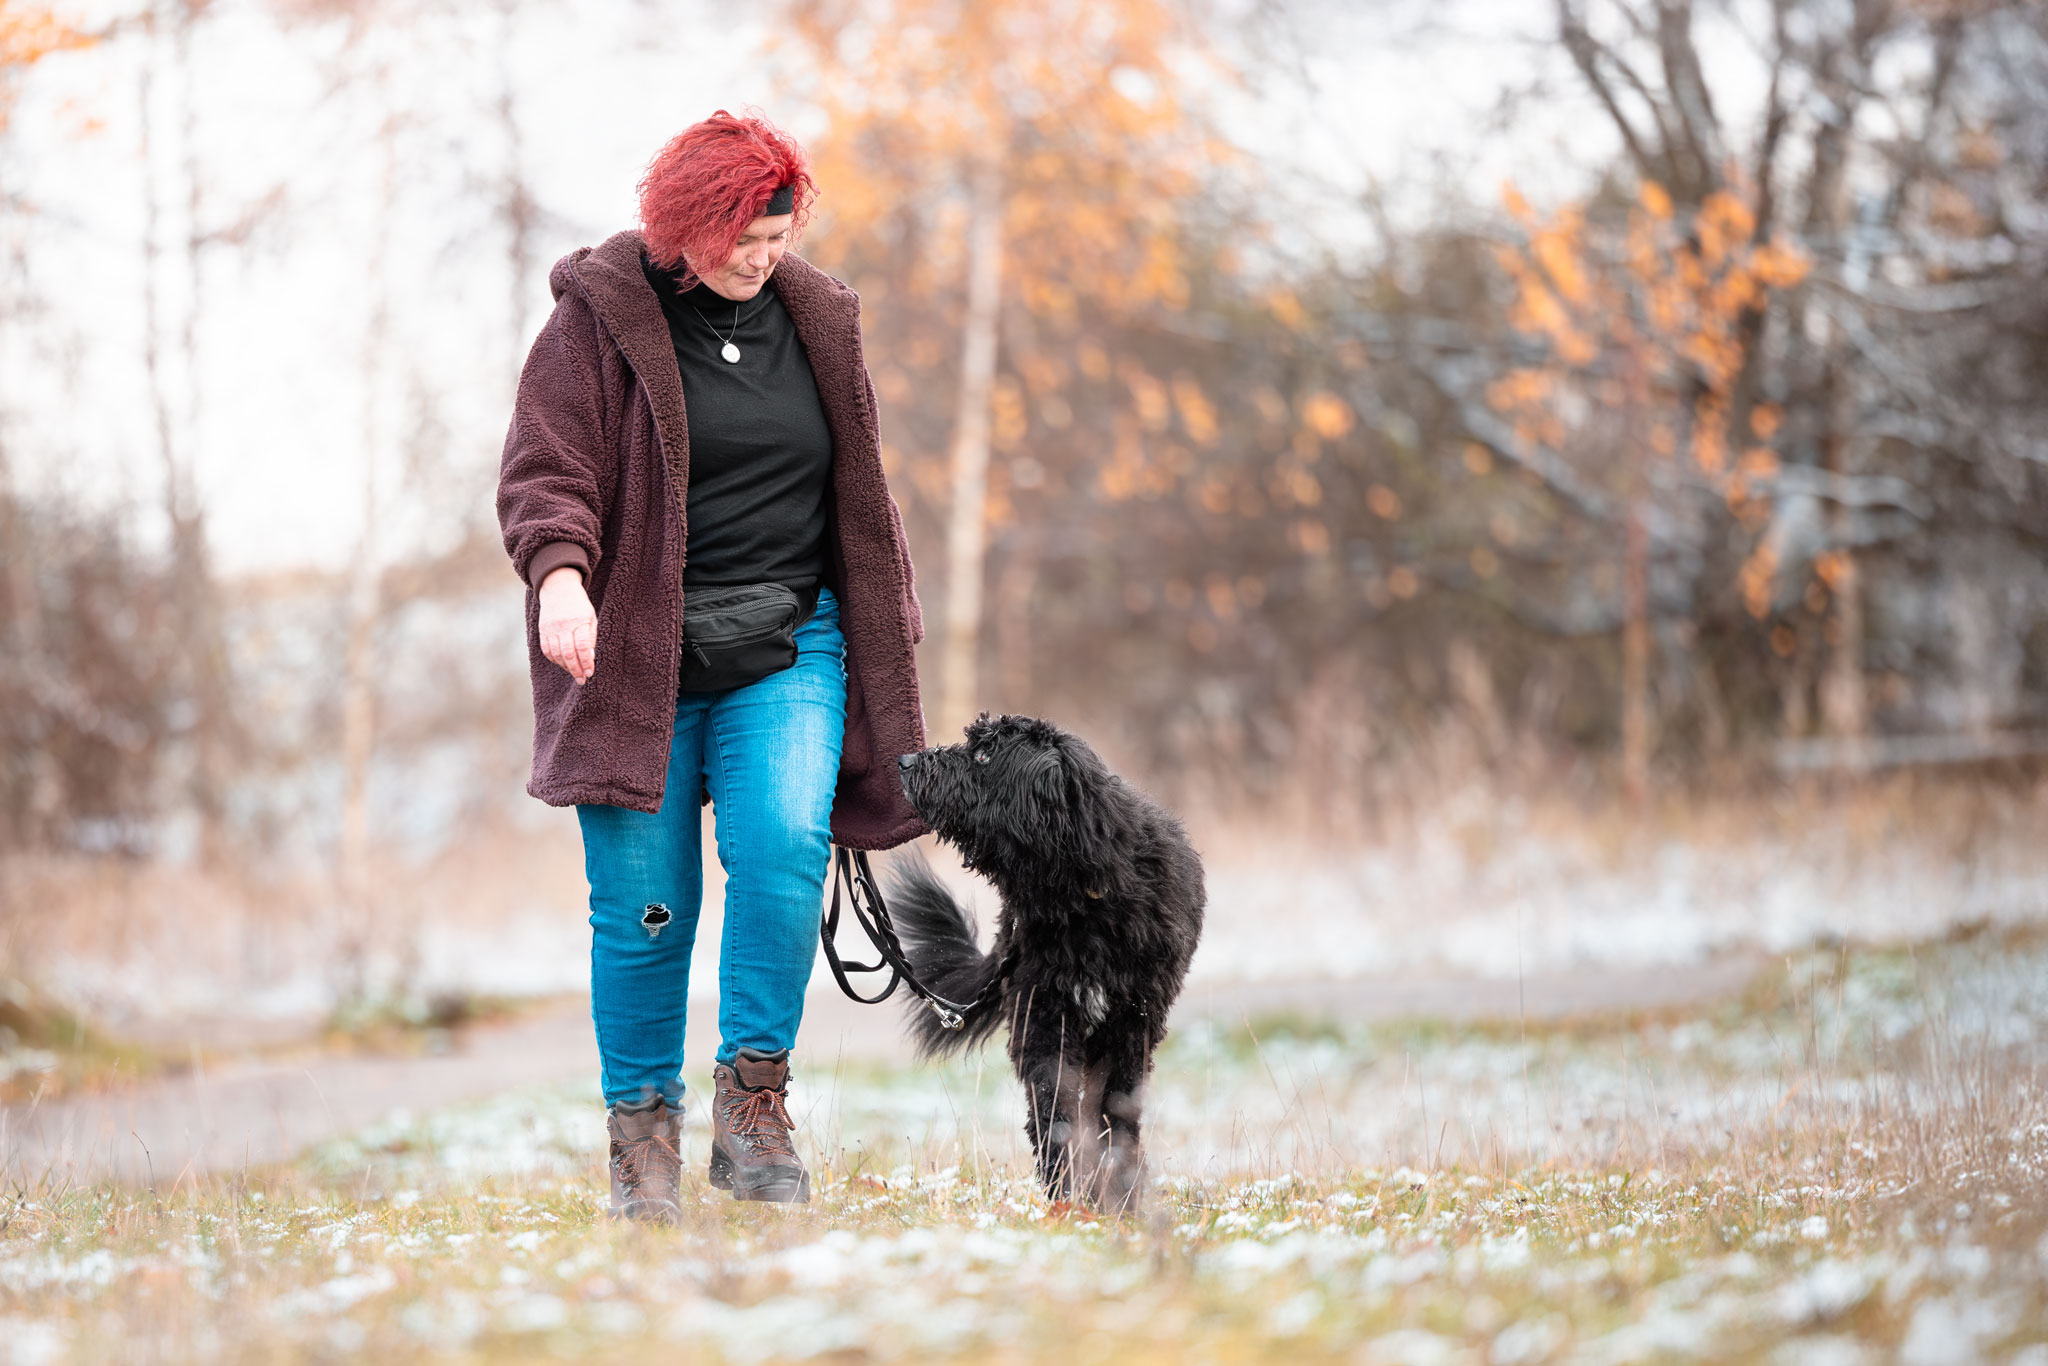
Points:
x=967 y=523
x=202 y=673
x=517 y=208
x=361 y=664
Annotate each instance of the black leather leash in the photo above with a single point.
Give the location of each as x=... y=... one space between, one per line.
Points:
x=851 y=866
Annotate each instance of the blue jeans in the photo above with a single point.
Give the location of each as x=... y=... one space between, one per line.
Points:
x=768 y=753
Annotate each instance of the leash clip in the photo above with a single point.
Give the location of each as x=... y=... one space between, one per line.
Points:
x=872 y=912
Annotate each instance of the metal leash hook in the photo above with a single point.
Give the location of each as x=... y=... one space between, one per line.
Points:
x=871 y=912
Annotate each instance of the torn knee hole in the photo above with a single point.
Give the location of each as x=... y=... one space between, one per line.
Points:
x=655 y=918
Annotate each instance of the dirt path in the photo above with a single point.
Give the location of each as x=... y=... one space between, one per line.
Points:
x=255 y=1114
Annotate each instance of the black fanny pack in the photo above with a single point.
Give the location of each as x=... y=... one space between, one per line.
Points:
x=733 y=636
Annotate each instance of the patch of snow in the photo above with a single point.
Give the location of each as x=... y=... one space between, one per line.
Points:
x=1527 y=1341
x=30 y=1342
x=1825 y=1292
x=1534 y=905
x=1822 y=1349
x=334 y=1295
x=1950 y=1331
x=1413 y=1347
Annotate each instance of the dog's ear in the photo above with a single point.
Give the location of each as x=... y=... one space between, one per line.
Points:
x=1047 y=781
x=1088 y=818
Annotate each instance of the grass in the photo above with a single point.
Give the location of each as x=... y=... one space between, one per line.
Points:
x=1410 y=1266
x=48 y=1050
x=411 y=1023
x=1849 y=1165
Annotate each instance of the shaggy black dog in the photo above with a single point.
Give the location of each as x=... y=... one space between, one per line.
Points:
x=1101 y=906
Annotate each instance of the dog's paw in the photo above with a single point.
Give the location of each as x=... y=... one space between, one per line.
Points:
x=1119 y=1185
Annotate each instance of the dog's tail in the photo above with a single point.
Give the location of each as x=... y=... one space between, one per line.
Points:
x=938 y=937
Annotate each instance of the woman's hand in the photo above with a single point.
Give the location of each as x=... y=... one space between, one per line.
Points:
x=568 y=624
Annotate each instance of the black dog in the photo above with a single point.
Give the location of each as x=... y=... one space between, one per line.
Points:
x=1102 y=901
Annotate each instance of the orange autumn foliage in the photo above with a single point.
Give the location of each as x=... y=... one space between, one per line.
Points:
x=1076 y=109
x=29 y=33
x=1645 y=317
x=1655 y=309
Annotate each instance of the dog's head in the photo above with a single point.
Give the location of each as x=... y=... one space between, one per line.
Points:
x=1019 y=788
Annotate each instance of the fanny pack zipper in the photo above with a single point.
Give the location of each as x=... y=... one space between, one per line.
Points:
x=743 y=636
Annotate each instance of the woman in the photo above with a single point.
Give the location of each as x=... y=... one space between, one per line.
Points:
x=721 y=608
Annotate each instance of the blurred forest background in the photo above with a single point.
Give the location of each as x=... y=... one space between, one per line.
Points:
x=1330 y=408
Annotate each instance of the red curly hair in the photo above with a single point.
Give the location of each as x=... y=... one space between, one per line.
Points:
x=714 y=178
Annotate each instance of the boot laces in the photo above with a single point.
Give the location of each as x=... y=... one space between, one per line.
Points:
x=762 y=1118
x=640 y=1160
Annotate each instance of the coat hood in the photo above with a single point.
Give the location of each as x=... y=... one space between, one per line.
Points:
x=610 y=277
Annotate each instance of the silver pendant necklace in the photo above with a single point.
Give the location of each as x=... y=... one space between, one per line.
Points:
x=729 y=351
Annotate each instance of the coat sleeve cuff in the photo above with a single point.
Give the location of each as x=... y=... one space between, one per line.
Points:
x=553 y=556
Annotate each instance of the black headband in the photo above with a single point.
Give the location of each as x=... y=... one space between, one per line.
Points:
x=782 y=201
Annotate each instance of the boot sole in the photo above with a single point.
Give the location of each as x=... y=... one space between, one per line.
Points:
x=777 y=1191
x=646 y=1212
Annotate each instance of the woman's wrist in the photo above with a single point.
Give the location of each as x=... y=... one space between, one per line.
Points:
x=555 y=556
x=561 y=576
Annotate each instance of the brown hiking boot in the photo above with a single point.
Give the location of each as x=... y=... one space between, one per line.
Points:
x=751 y=1154
x=647 y=1161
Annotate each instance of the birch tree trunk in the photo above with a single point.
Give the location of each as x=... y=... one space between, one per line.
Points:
x=197 y=591
x=187 y=783
x=1014 y=588
x=1818 y=335
x=967 y=530
x=1844 y=698
x=152 y=286
x=358 y=697
x=1635 y=649
x=518 y=209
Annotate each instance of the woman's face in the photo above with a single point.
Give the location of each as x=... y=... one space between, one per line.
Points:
x=753 y=258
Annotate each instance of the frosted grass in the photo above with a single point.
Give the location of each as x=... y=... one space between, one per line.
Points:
x=1851 y=1165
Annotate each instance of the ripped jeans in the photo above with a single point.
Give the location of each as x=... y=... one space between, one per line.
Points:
x=768 y=754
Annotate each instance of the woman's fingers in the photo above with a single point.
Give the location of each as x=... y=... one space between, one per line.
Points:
x=583 y=641
x=571 y=646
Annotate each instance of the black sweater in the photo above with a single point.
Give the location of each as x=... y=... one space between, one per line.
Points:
x=760 y=449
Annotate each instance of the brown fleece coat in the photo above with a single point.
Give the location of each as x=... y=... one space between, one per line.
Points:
x=596 y=473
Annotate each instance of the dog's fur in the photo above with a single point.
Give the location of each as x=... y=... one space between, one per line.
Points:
x=1102 y=900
